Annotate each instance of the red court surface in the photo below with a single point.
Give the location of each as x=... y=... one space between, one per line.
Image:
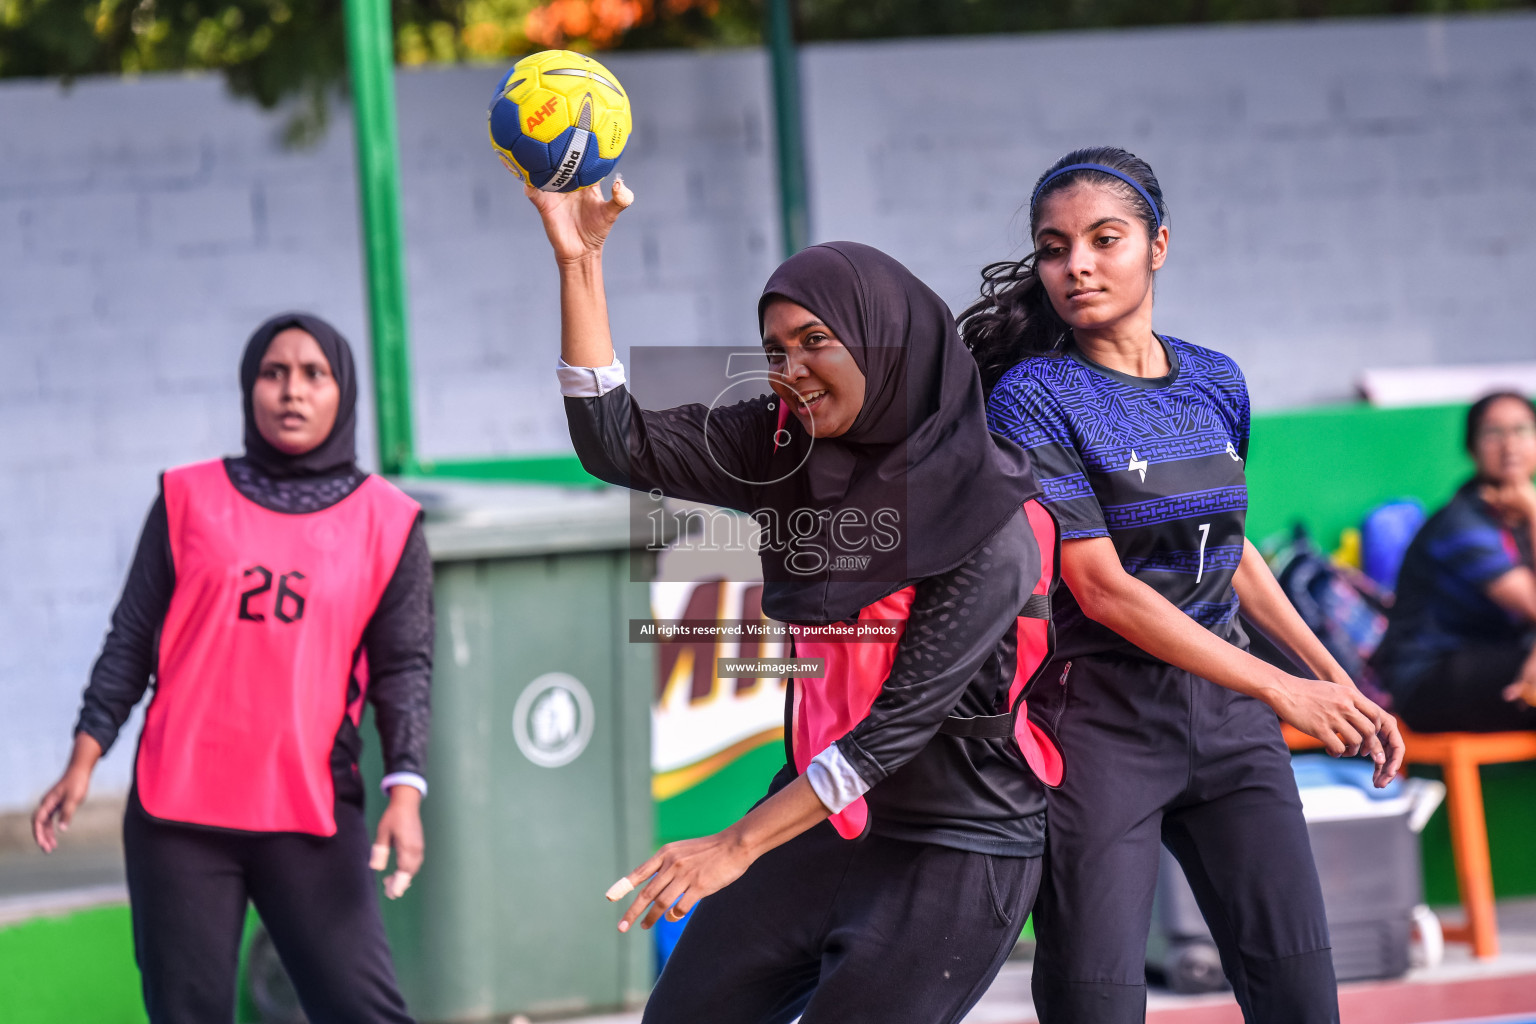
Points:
x=1496 y=999
x=1459 y=990
x=1405 y=1002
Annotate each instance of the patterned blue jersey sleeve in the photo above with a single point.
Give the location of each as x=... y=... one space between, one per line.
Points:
x=1021 y=410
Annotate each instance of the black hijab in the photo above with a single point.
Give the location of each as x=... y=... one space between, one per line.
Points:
x=338 y=451
x=919 y=444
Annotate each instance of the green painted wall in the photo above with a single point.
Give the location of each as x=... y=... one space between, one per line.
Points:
x=1330 y=465
x=720 y=799
x=77 y=967
x=1509 y=800
x=532 y=469
x=1327 y=467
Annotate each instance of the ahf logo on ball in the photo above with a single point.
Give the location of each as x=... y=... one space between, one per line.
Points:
x=552 y=720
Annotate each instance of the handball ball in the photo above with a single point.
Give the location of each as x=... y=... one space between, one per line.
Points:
x=559 y=120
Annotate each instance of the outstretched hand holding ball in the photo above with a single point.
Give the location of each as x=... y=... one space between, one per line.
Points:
x=552 y=114
x=577 y=223
x=560 y=121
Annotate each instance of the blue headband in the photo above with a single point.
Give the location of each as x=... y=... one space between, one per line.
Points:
x=1106 y=170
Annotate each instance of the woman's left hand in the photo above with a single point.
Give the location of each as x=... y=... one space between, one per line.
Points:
x=683 y=873
x=400 y=830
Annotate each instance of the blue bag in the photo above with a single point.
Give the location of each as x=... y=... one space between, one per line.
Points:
x=1384 y=538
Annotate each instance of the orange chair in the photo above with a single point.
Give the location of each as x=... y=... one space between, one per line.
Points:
x=1460 y=755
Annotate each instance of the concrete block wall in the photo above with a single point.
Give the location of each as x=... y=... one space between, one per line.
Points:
x=686 y=265
x=146 y=227
x=138 y=246
x=1342 y=194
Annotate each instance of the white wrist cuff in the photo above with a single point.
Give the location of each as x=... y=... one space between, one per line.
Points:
x=411 y=779
x=836 y=783
x=589 y=381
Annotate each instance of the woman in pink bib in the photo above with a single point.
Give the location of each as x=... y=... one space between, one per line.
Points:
x=269 y=597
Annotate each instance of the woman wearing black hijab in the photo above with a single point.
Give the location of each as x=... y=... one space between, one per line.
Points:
x=270 y=595
x=884 y=501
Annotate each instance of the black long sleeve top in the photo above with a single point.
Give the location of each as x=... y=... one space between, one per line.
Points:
x=956 y=655
x=398 y=638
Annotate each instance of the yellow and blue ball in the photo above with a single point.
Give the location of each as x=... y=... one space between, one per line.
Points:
x=559 y=120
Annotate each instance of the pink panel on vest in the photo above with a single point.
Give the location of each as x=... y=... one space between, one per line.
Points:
x=360 y=673
x=1034 y=647
x=826 y=709
x=1044 y=526
x=257 y=649
x=1039 y=749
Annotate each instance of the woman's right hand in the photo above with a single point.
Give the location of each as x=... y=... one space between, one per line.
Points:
x=577 y=223
x=57 y=807
x=1513 y=500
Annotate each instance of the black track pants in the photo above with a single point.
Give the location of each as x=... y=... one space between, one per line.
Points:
x=188 y=889
x=1465 y=693
x=1157 y=756
x=869 y=931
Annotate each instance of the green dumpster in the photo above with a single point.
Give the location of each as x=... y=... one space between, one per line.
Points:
x=539 y=759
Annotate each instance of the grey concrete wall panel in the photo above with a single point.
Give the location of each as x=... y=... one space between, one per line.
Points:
x=685 y=265
x=1342 y=194
x=147 y=225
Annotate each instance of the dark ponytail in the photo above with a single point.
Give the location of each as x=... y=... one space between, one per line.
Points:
x=1014 y=319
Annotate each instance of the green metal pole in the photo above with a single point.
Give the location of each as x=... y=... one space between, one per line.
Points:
x=779 y=32
x=371 y=55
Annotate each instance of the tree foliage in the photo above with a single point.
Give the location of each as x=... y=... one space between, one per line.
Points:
x=292 y=51
x=277 y=44
x=864 y=19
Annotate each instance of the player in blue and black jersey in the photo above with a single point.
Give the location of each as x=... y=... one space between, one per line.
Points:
x=1167 y=725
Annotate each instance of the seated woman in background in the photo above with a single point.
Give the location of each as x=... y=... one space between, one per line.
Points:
x=1458 y=655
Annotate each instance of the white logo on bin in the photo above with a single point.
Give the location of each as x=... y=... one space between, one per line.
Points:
x=552 y=720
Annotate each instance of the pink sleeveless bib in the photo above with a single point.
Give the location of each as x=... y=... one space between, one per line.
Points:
x=826 y=709
x=262 y=636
